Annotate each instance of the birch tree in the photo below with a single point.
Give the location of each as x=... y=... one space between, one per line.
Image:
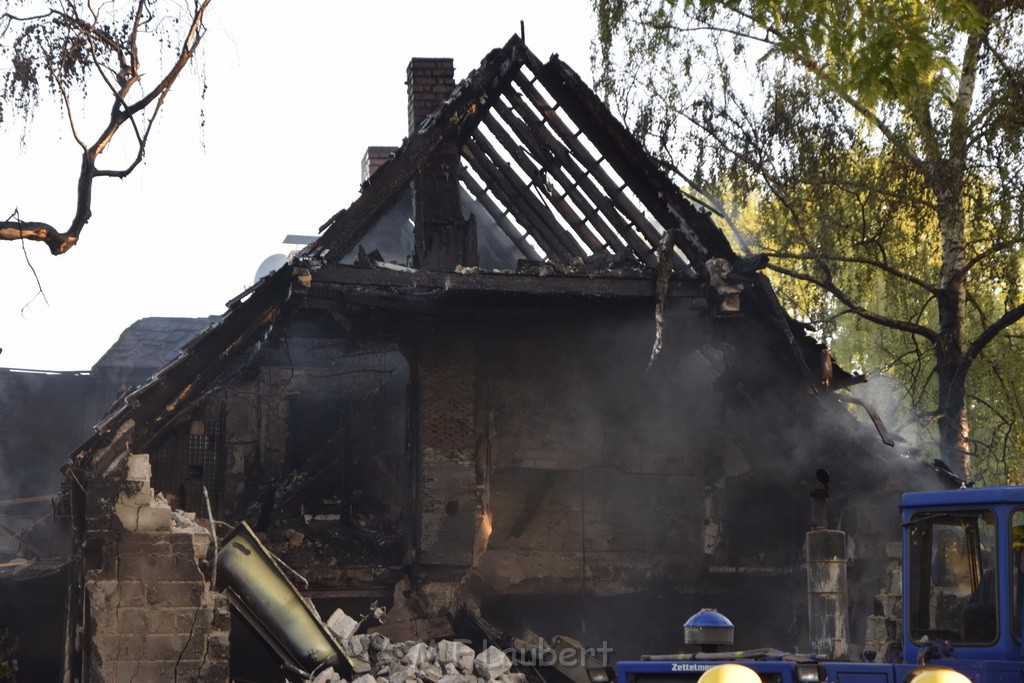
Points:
x=877 y=145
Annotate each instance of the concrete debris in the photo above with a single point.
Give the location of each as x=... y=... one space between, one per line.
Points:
x=341 y=624
x=419 y=655
x=294 y=538
x=491 y=663
x=375 y=659
x=357 y=649
x=329 y=675
x=457 y=655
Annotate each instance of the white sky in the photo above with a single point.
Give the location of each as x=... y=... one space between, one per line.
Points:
x=294 y=98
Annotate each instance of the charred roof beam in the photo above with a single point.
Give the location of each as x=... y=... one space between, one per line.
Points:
x=500 y=216
x=702 y=240
x=537 y=173
x=612 y=192
x=535 y=218
x=551 y=165
x=531 y=127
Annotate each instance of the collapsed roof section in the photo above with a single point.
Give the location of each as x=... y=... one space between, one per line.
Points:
x=560 y=176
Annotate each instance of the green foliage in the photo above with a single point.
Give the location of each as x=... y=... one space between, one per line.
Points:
x=852 y=141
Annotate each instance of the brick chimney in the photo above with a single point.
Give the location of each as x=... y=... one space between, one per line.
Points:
x=429 y=82
x=443 y=238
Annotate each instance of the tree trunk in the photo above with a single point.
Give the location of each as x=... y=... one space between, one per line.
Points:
x=954 y=426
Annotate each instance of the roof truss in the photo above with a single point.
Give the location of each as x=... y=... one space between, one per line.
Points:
x=561 y=177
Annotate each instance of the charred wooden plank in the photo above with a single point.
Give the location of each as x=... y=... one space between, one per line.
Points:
x=356 y=279
x=592 y=166
x=547 y=144
x=554 y=166
x=526 y=197
x=177 y=384
x=641 y=234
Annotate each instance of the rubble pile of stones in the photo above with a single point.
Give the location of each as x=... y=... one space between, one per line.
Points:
x=375 y=659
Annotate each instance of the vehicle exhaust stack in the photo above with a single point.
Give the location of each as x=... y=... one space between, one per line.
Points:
x=827 y=601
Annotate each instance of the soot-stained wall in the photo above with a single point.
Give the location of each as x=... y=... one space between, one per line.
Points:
x=538 y=453
x=621 y=498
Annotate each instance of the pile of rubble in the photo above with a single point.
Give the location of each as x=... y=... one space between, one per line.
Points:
x=375 y=659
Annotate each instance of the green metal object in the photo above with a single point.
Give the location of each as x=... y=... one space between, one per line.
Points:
x=271 y=604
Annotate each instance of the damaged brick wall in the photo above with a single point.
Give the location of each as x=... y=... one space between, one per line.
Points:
x=149 y=611
x=448 y=497
x=594 y=460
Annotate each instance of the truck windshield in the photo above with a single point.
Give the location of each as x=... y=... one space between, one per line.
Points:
x=953 y=586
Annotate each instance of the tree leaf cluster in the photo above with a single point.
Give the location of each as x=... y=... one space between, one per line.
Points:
x=873 y=149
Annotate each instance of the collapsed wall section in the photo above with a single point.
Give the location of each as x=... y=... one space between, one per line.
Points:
x=149 y=613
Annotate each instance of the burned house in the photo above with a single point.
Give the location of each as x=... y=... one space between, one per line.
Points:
x=521 y=375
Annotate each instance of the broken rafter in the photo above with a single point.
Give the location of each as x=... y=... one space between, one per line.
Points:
x=156 y=404
x=537 y=173
x=612 y=193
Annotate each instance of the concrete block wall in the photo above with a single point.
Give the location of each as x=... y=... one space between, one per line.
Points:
x=590 y=456
x=149 y=611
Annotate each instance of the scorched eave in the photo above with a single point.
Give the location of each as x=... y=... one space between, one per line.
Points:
x=334 y=280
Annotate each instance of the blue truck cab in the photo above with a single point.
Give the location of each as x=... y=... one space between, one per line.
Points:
x=963 y=591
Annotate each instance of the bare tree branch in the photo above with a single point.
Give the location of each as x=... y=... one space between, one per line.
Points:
x=885 y=267
x=991 y=332
x=856 y=308
x=122 y=111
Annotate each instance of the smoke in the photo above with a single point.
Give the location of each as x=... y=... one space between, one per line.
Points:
x=606 y=477
x=45 y=416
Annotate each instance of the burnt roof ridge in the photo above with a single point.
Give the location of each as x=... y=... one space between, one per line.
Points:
x=622 y=148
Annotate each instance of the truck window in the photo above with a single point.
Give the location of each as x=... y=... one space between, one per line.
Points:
x=1016 y=569
x=952 y=572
